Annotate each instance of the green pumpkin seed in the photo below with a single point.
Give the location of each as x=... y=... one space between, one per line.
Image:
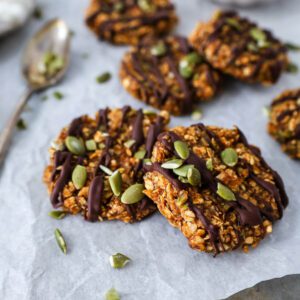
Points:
x=159 y=49
x=140 y=154
x=103 y=77
x=257 y=34
x=182 y=171
x=79 y=176
x=252 y=47
x=106 y=170
x=233 y=23
x=229 y=157
x=197 y=114
x=133 y=194
x=225 y=193
x=118 y=260
x=146 y=6
x=292 y=47
x=209 y=164
x=193 y=58
x=185 y=70
x=90 y=145
x=75 y=145
x=187 y=64
x=148 y=112
x=183 y=179
x=172 y=164
x=112 y=294
x=292 y=68
x=182 y=149
x=21 y=125
x=115 y=181
x=129 y=143
x=194 y=176
x=147 y=161
x=60 y=241
x=57 y=214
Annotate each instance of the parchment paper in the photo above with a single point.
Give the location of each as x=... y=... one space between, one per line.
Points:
x=163 y=266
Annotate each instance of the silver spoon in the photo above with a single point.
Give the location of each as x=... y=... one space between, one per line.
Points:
x=53 y=38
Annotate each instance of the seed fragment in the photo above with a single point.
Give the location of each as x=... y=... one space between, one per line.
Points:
x=292 y=47
x=292 y=68
x=58 y=95
x=188 y=63
x=129 y=143
x=197 y=114
x=106 y=170
x=172 y=164
x=60 y=241
x=257 y=34
x=104 y=77
x=118 y=260
x=112 y=294
x=159 y=49
x=75 y=145
x=182 y=171
x=133 y=194
x=21 y=125
x=57 y=214
x=182 y=149
x=140 y=154
x=225 y=193
x=79 y=176
x=115 y=181
x=209 y=164
x=90 y=145
x=233 y=23
x=193 y=176
x=229 y=157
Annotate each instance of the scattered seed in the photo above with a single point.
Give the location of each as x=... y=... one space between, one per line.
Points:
x=182 y=171
x=233 y=23
x=58 y=95
x=60 y=241
x=182 y=149
x=146 y=6
x=75 y=145
x=38 y=13
x=193 y=176
x=129 y=143
x=115 y=181
x=225 y=193
x=90 y=145
x=21 y=124
x=106 y=170
x=118 y=260
x=79 y=176
x=103 y=77
x=159 y=49
x=292 y=47
x=140 y=154
x=57 y=214
x=172 y=164
x=229 y=157
x=133 y=194
x=112 y=294
x=209 y=164
x=292 y=68
x=197 y=114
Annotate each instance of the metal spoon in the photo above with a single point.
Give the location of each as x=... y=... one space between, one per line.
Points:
x=54 y=38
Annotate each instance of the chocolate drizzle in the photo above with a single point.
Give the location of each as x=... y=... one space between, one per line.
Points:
x=137 y=130
x=154 y=130
x=75 y=127
x=102 y=119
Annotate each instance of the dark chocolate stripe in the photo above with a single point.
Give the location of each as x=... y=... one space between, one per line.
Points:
x=137 y=130
x=75 y=127
x=286 y=98
x=94 y=198
x=287 y=113
x=103 y=119
x=153 y=132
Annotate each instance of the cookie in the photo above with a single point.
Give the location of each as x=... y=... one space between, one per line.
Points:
x=95 y=161
x=168 y=74
x=215 y=187
x=127 y=22
x=284 y=123
x=238 y=47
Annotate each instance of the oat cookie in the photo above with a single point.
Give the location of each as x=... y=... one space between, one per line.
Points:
x=168 y=74
x=128 y=21
x=95 y=160
x=238 y=47
x=284 y=123
x=215 y=187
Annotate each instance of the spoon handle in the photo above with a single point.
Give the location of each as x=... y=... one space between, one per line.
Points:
x=7 y=132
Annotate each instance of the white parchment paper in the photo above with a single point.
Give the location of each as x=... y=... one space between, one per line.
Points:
x=163 y=266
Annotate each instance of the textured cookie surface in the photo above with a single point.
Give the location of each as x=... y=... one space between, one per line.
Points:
x=128 y=21
x=116 y=141
x=240 y=48
x=284 y=124
x=233 y=204
x=168 y=74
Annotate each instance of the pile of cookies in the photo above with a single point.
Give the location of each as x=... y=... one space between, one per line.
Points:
x=208 y=181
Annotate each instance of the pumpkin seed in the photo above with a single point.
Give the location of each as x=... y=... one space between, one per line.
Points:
x=292 y=47
x=172 y=164
x=148 y=112
x=115 y=181
x=133 y=194
x=106 y=170
x=129 y=143
x=193 y=176
x=147 y=161
x=58 y=95
x=90 y=145
x=257 y=34
x=233 y=23
x=112 y=294
x=104 y=77
x=146 y=6
x=229 y=157
x=209 y=164
x=140 y=154
x=159 y=49
x=118 y=260
x=60 y=241
x=182 y=149
x=79 y=176
x=21 y=125
x=182 y=171
x=193 y=58
x=292 y=68
x=252 y=47
x=119 y=6
x=225 y=193
x=188 y=63
x=197 y=114
x=75 y=145
x=183 y=179
x=57 y=214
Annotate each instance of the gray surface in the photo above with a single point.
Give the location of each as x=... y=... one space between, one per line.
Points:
x=28 y=254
